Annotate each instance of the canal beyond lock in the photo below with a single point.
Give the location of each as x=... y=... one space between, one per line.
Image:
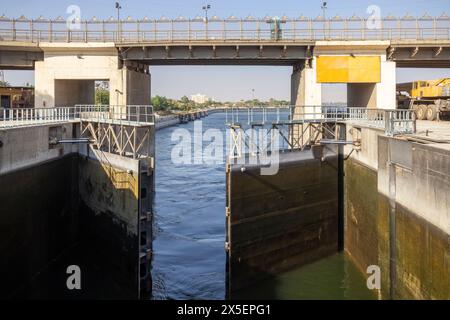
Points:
x=189 y=236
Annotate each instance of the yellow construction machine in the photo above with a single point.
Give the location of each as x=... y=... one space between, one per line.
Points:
x=429 y=99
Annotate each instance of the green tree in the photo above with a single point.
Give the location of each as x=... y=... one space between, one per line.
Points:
x=184 y=99
x=161 y=103
x=101 y=96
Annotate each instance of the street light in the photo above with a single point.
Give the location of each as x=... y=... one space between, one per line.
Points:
x=324 y=8
x=206 y=8
x=118 y=7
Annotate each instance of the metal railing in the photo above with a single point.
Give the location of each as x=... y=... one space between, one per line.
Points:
x=267 y=29
x=122 y=115
x=19 y=117
x=392 y=121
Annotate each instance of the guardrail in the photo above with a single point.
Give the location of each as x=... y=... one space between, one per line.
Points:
x=393 y=121
x=122 y=115
x=231 y=29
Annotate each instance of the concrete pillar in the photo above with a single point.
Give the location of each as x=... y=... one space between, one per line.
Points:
x=137 y=86
x=305 y=91
x=375 y=95
x=362 y=95
x=387 y=98
x=66 y=77
x=306 y=96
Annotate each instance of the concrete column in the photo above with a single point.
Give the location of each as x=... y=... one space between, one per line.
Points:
x=363 y=95
x=137 y=86
x=387 y=99
x=305 y=91
x=375 y=95
x=306 y=96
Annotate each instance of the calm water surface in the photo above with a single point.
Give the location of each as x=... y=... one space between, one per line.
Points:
x=189 y=231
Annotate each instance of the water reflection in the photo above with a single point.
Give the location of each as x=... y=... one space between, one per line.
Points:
x=335 y=277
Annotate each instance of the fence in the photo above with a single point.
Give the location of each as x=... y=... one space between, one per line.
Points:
x=392 y=121
x=122 y=115
x=231 y=29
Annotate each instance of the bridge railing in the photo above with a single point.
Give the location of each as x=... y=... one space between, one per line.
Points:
x=122 y=115
x=231 y=29
x=392 y=121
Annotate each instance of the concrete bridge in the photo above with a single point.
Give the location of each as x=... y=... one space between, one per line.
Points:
x=68 y=58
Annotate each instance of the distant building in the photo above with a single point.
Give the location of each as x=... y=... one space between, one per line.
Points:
x=16 y=97
x=200 y=98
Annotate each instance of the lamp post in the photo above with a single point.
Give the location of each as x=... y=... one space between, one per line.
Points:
x=118 y=7
x=324 y=9
x=206 y=8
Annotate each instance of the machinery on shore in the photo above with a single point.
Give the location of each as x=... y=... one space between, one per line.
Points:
x=429 y=99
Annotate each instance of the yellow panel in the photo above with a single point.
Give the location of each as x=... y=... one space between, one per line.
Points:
x=364 y=69
x=332 y=69
x=347 y=69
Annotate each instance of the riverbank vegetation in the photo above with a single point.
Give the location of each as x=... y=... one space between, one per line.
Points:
x=161 y=103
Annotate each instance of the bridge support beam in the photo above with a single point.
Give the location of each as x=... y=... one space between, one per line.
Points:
x=66 y=77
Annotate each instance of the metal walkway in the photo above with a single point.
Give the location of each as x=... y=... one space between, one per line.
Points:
x=130 y=115
x=265 y=129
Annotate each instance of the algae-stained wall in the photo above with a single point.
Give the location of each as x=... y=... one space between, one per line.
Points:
x=416 y=179
x=280 y=221
x=423 y=258
x=387 y=221
x=366 y=221
x=109 y=193
x=38 y=222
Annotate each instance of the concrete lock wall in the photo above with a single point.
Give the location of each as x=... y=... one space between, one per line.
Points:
x=408 y=240
x=27 y=146
x=109 y=193
x=421 y=235
x=280 y=221
x=129 y=83
x=38 y=223
x=63 y=205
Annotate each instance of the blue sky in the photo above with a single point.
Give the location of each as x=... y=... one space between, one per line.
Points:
x=227 y=82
